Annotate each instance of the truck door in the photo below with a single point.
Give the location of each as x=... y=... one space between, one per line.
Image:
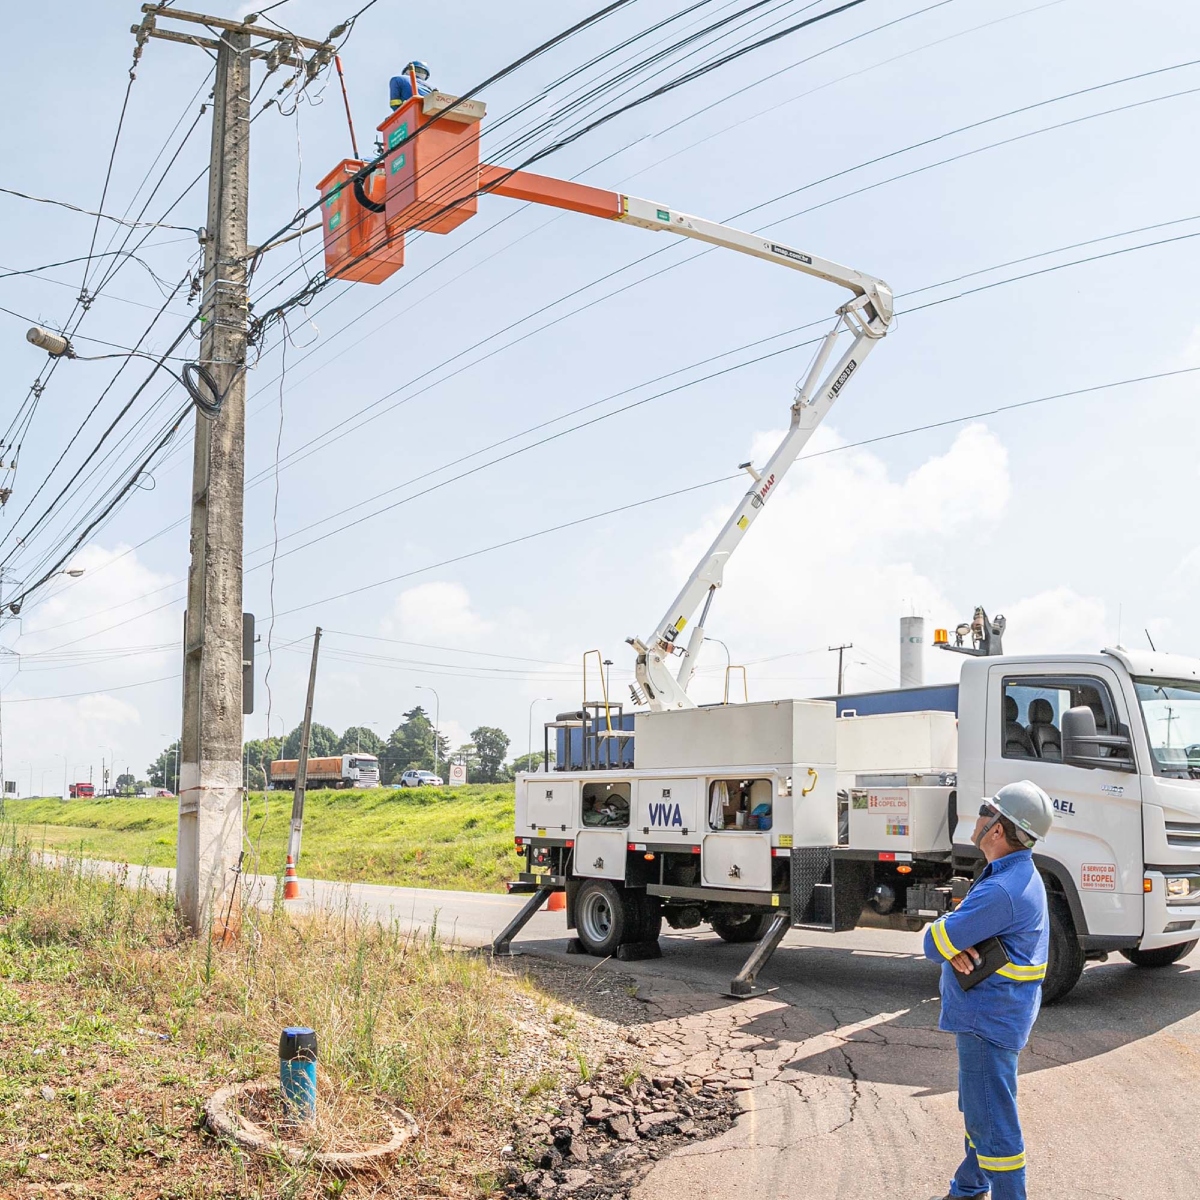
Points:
x=1097 y=833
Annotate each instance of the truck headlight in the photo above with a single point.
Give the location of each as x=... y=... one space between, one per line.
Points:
x=1182 y=887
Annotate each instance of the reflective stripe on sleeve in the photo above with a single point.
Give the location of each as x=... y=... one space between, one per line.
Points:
x=1022 y=973
x=941 y=940
x=1014 y=1162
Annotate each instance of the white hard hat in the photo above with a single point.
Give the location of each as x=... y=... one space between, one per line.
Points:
x=1026 y=806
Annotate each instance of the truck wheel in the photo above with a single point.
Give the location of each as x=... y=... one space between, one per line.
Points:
x=1066 y=957
x=606 y=917
x=746 y=927
x=1164 y=956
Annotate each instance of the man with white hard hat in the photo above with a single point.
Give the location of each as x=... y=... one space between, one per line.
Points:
x=993 y=949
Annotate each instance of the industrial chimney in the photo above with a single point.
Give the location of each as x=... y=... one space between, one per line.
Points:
x=912 y=651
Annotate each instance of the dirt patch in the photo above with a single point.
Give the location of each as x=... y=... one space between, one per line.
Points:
x=608 y=1133
x=599 y=1137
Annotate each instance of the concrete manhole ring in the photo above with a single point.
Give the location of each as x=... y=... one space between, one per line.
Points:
x=224 y=1120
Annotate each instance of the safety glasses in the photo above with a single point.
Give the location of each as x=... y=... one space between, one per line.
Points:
x=986 y=810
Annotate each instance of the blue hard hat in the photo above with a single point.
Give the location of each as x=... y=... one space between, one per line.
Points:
x=418 y=68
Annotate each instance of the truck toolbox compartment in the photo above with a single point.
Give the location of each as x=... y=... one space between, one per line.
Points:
x=667 y=810
x=739 y=860
x=600 y=853
x=552 y=805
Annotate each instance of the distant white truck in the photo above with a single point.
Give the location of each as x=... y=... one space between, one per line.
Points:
x=757 y=818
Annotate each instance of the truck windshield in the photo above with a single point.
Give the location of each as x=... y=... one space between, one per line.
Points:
x=1171 y=710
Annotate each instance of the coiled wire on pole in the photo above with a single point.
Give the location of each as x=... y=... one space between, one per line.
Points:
x=203 y=389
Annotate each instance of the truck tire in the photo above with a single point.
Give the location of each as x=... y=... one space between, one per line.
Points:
x=744 y=927
x=1164 y=956
x=1066 y=957
x=652 y=918
x=606 y=917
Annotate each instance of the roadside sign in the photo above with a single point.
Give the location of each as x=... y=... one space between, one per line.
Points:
x=458 y=774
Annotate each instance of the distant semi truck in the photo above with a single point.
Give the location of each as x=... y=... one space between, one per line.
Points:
x=336 y=771
x=82 y=791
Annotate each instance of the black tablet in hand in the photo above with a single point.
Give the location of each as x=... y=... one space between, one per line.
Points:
x=992 y=956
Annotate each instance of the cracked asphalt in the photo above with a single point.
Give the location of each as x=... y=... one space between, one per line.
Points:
x=849 y=1087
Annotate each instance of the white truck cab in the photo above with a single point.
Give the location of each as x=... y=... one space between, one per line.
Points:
x=1125 y=848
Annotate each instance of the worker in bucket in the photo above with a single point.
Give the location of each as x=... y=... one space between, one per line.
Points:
x=993 y=949
x=413 y=80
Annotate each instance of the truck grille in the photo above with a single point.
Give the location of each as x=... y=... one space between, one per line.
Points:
x=1183 y=834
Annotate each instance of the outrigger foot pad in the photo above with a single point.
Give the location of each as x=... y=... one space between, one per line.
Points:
x=635 y=951
x=746 y=991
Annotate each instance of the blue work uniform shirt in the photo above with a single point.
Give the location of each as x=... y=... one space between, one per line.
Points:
x=1008 y=901
x=401 y=89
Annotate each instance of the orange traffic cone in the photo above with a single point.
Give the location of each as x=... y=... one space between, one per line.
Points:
x=557 y=902
x=291 y=884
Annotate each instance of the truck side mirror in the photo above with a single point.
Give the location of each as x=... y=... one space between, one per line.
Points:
x=1082 y=746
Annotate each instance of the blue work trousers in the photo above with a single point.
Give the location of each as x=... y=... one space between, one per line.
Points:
x=987 y=1098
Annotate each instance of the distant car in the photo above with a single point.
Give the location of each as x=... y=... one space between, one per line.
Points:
x=420 y=779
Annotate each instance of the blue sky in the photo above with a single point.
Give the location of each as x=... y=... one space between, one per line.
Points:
x=1069 y=516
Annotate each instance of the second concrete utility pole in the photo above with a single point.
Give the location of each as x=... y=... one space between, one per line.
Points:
x=297 y=829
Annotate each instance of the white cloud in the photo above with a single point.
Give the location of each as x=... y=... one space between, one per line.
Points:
x=838 y=554
x=80 y=650
x=438 y=612
x=1057 y=621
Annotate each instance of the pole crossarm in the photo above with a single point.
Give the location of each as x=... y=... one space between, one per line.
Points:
x=223 y=23
x=212 y=45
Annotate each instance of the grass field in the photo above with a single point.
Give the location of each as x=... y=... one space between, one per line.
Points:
x=459 y=838
x=115 y=1027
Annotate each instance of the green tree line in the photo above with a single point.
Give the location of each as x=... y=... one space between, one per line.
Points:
x=410 y=746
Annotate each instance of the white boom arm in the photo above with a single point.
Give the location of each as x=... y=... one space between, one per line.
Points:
x=867 y=317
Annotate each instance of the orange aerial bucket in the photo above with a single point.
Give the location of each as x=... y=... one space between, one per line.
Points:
x=432 y=168
x=359 y=246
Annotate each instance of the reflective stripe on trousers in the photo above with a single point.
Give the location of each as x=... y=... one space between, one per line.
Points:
x=987 y=1098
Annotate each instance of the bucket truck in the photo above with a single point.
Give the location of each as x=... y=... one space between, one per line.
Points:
x=760 y=818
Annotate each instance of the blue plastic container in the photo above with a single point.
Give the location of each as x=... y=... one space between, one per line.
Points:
x=298 y=1071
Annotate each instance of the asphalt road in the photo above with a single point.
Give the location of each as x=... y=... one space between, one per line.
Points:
x=853 y=1090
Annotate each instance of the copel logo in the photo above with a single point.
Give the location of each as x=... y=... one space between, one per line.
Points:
x=664 y=816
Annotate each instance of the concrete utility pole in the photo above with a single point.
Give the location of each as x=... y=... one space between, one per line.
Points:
x=841 y=650
x=210 y=768
x=297 y=829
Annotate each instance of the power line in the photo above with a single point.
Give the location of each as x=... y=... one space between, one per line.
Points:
x=705 y=378
x=695 y=487
x=100 y=216
x=351 y=422
x=121 y=687
x=723 y=479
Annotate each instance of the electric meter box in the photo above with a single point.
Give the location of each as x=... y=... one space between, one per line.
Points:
x=900 y=819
